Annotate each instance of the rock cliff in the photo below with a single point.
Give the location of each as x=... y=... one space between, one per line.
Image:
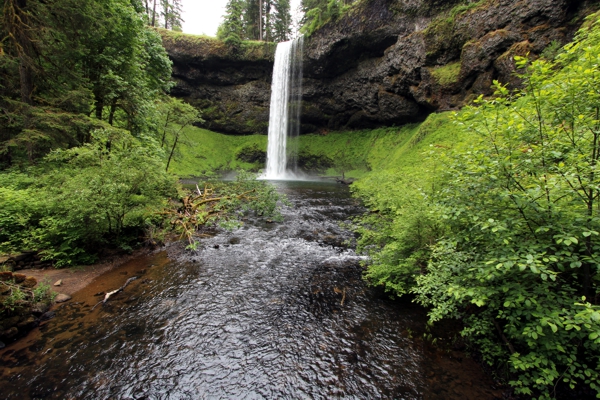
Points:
x=384 y=62
x=231 y=86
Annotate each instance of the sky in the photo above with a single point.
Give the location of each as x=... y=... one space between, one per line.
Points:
x=204 y=16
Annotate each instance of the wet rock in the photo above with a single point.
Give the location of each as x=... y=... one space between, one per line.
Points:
x=10 y=333
x=29 y=282
x=18 y=278
x=39 y=308
x=58 y=282
x=28 y=324
x=2 y=345
x=61 y=298
x=370 y=67
x=47 y=315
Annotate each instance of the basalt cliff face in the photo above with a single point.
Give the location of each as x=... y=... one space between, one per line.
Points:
x=230 y=86
x=384 y=62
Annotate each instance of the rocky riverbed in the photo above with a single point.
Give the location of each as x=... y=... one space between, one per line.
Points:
x=270 y=310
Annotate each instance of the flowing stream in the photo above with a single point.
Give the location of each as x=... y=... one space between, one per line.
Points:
x=271 y=310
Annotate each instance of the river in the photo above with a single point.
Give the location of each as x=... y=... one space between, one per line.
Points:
x=270 y=310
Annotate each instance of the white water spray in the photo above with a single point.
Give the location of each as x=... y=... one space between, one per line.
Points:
x=284 y=116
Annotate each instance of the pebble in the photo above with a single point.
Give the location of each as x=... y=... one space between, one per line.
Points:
x=58 y=282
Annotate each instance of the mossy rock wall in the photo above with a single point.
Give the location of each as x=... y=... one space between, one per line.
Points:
x=230 y=85
x=382 y=63
x=391 y=62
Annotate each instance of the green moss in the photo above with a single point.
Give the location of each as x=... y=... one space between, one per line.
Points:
x=442 y=35
x=447 y=74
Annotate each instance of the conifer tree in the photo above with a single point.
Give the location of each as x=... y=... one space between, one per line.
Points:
x=232 y=28
x=282 y=21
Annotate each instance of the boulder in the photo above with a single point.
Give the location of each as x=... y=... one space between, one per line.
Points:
x=6 y=276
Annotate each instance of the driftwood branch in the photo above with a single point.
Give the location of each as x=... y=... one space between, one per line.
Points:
x=109 y=294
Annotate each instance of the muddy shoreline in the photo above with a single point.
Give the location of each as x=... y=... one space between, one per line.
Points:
x=77 y=278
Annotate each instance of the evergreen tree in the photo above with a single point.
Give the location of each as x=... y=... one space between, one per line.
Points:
x=282 y=21
x=252 y=23
x=268 y=20
x=75 y=60
x=171 y=13
x=232 y=28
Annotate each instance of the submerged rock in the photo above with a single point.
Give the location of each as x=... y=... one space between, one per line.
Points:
x=61 y=298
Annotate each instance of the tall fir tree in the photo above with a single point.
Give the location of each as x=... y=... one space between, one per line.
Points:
x=232 y=28
x=282 y=21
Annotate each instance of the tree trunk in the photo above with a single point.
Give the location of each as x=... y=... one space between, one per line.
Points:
x=172 y=152
x=26 y=80
x=166 y=14
x=16 y=21
x=260 y=7
x=111 y=115
x=154 y=14
x=99 y=107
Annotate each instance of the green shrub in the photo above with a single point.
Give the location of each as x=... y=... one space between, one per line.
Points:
x=82 y=198
x=502 y=231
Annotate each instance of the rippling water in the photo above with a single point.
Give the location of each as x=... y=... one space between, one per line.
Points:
x=267 y=311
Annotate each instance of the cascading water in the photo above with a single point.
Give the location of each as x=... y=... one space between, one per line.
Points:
x=284 y=117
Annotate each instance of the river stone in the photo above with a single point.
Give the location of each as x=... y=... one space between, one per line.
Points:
x=19 y=278
x=10 y=333
x=61 y=298
x=58 y=282
x=39 y=308
x=47 y=315
x=27 y=324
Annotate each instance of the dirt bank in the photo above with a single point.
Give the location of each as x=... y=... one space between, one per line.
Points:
x=76 y=278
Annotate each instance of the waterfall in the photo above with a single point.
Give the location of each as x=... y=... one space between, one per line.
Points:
x=284 y=116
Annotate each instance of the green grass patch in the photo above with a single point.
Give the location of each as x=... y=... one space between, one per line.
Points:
x=204 y=152
x=355 y=153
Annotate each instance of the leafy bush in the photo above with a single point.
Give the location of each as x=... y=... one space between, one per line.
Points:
x=511 y=225
x=84 y=197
